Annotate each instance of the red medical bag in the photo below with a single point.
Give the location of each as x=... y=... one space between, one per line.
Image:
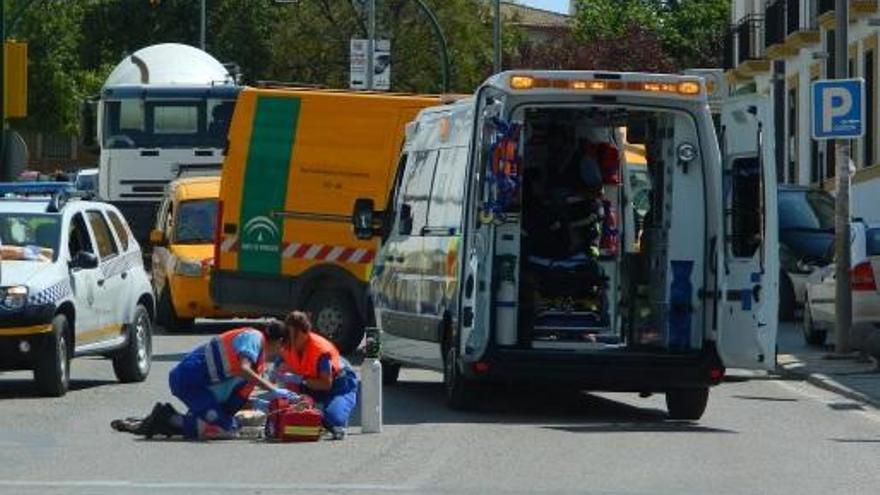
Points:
x=298 y=421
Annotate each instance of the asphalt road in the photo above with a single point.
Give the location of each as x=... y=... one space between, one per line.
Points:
x=759 y=436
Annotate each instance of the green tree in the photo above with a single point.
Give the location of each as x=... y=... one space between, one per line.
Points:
x=312 y=42
x=604 y=19
x=692 y=30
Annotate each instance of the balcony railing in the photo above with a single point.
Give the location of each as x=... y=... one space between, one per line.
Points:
x=728 y=55
x=750 y=39
x=775 y=23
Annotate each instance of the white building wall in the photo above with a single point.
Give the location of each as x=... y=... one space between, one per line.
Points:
x=866 y=185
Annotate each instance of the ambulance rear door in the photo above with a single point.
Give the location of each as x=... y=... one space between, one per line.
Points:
x=749 y=299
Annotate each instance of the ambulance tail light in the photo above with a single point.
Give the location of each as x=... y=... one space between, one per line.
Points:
x=218 y=234
x=862 y=278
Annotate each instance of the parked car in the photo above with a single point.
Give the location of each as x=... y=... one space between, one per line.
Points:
x=71 y=283
x=806 y=230
x=183 y=251
x=819 y=308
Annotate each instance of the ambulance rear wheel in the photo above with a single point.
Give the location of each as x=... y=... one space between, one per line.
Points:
x=687 y=403
x=133 y=362
x=336 y=317
x=52 y=373
x=461 y=393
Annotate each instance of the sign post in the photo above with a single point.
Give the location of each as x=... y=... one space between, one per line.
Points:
x=838 y=112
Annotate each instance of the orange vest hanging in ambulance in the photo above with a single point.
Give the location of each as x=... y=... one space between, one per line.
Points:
x=306 y=364
x=222 y=359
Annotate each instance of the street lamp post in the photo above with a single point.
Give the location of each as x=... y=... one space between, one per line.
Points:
x=497 y=35
x=842 y=294
x=203 y=25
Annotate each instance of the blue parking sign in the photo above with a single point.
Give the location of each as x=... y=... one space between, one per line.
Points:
x=838 y=108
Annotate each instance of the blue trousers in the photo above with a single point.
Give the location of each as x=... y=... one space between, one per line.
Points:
x=340 y=400
x=206 y=417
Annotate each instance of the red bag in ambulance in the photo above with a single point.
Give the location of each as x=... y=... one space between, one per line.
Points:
x=299 y=421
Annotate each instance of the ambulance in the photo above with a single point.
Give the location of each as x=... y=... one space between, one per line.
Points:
x=521 y=245
x=296 y=160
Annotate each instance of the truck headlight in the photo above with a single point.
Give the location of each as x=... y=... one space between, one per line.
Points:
x=188 y=268
x=14 y=297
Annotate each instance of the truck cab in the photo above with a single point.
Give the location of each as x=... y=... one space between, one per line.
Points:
x=527 y=242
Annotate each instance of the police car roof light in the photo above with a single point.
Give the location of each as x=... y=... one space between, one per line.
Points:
x=25 y=189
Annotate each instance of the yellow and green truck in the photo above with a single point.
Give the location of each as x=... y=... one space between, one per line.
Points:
x=296 y=161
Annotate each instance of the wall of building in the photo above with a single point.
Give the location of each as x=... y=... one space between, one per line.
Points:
x=800 y=70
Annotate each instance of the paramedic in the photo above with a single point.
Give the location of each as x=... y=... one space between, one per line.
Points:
x=215 y=381
x=312 y=365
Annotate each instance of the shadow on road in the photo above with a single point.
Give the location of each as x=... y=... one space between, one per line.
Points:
x=411 y=403
x=26 y=389
x=173 y=357
x=855 y=440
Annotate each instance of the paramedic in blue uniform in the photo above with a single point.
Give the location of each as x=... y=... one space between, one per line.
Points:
x=313 y=366
x=215 y=381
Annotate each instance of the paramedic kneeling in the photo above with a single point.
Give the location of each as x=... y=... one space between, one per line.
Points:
x=312 y=365
x=215 y=381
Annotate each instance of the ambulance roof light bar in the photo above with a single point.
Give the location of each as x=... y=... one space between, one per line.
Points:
x=682 y=87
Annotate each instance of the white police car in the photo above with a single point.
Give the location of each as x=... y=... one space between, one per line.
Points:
x=72 y=283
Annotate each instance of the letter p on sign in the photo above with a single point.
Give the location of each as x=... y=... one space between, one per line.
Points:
x=838 y=109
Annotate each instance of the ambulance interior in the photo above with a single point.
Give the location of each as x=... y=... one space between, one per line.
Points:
x=583 y=247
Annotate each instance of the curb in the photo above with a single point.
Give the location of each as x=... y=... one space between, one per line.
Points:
x=827 y=383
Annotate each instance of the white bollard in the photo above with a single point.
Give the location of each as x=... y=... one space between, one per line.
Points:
x=371 y=385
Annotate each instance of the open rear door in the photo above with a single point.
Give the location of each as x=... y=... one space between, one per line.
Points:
x=750 y=299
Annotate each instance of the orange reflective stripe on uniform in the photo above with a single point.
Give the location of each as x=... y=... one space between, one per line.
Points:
x=222 y=359
x=306 y=365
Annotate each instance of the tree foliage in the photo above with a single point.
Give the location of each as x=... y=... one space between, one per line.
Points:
x=690 y=30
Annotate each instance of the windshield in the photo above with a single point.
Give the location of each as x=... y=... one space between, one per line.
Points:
x=87 y=182
x=32 y=237
x=196 y=221
x=806 y=210
x=177 y=123
x=872 y=238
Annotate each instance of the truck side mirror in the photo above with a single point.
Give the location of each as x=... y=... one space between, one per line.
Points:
x=363 y=218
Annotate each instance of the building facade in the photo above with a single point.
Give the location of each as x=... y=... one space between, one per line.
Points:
x=778 y=48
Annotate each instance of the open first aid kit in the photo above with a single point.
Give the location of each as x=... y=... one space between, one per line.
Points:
x=297 y=421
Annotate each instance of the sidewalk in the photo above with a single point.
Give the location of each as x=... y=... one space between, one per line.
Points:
x=852 y=379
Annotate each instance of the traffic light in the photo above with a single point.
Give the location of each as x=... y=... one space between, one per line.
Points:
x=15 y=79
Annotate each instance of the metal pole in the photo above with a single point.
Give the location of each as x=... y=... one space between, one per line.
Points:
x=371 y=44
x=843 y=296
x=441 y=38
x=4 y=173
x=497 y=35
x=203 y=24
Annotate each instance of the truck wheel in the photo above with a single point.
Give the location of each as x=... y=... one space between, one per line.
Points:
x=336 y=317
x=52 y=373
x=167 y=317
x=787 y=299
x=390 y=372
x=812 y=336
x=461 y=394
x=687 y=403
x=132 y=363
